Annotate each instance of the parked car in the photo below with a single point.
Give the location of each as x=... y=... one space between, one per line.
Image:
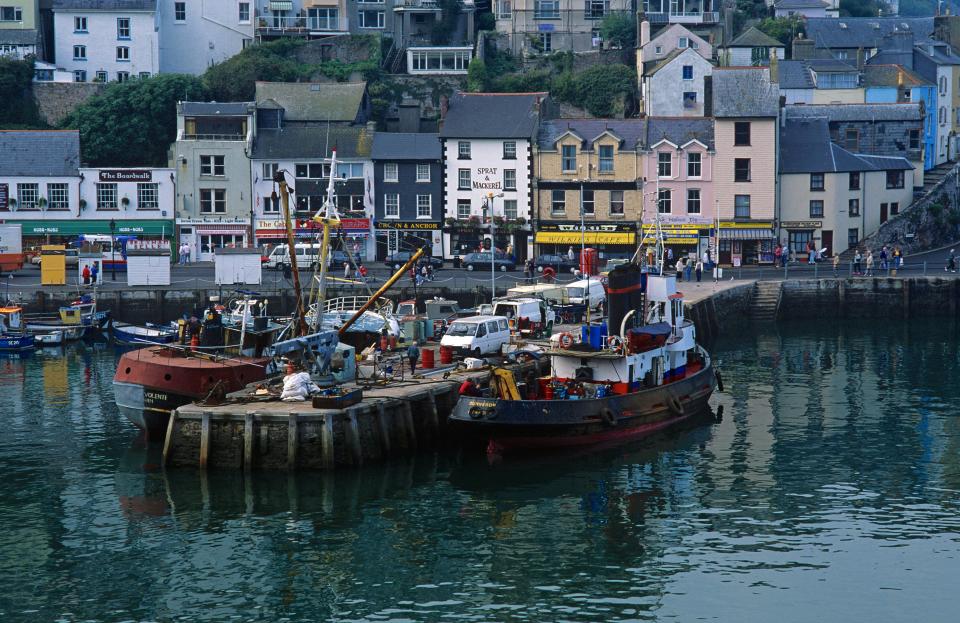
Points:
x=559 y=263
x=72 y=258
x=481 y=261
x=398 y=259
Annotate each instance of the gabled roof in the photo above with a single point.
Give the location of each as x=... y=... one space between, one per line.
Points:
x=678 y=131
x=909 y=111
x=405 y=146
x=744 y=92
x=655 y=66
x=863 y=32
x=755 y=38
x=19 y=36
x=891 y=76
x=607 y=132
x=629 y=131
x=315 y=101
x=314 y=141
x=39 y=153
x=682 y=32
x=215 y=109
x=104 y=5
x=806 y=147
x=492 y=115
x=829 y=65
x=794 y=75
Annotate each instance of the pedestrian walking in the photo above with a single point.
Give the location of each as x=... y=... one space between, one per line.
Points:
x=362 y=270
x=869 y=263
x=699 y=270
x=951 y=262
x=679 y=268
x=669 y=254
x=94 y=273
x=347 y=269
x=811 y=254
x=688 y=269
x=413 y=354
x=884 y=256
x=86 y=274
x=777 y=254
x=897 y=259
x=857 y=259
x=570 y=254
x=836 y=265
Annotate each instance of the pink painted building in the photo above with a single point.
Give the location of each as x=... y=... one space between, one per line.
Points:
x=678 y=172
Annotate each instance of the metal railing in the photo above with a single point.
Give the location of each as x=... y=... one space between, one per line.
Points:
x=213 y=137
x=300 y=25
x=689 y=17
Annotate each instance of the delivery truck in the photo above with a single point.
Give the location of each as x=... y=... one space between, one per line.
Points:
x=11 y=248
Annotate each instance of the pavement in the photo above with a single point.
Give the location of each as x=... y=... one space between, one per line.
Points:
x=201 y=276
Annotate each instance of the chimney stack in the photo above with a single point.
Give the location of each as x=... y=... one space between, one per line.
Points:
x=644 y=33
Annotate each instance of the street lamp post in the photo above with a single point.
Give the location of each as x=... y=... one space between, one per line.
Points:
x=493 y=250
x=113 y=250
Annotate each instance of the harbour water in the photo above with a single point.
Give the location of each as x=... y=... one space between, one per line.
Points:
x=828 y=491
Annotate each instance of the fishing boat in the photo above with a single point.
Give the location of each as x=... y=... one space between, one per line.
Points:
x=54 y=338
x=126 y=333
x=13 y=337
x=645 y=373
x=75 y=320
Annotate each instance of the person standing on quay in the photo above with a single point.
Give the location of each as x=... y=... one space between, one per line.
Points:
x=699 y=270
x=413 y=354
x=857 y=258
x=883 y=258
x=836 y=265
x=86 y=274
x=869 y=263
x=679 y=268
x=897 y=259
x=688 y=269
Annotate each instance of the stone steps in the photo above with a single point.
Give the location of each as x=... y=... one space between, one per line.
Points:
x=766 y=300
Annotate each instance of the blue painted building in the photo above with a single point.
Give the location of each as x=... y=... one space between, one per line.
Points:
x=892 y=84
x=408 y=180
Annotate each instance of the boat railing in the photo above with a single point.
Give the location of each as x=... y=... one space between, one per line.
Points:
x=350 y=303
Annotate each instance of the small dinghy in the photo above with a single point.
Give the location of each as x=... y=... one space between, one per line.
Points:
x=126 y=333
x=53 y=338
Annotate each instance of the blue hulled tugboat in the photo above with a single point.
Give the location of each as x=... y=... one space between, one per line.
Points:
x=644 y=374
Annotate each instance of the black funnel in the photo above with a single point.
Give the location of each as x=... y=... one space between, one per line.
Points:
x=625 y=287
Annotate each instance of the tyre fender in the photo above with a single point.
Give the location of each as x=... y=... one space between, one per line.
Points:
x=674 y=404
x=608 y=416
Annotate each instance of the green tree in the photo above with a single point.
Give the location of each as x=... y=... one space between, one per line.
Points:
x=860 y=8
x=783 y=29
x=133 y=123
x=16 y=80
x=234 y=79
x=917 y=8
x=619 y=29
x=478 y=81
x=601 y=88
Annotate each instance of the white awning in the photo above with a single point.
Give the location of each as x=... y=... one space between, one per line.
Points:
x=281 y=5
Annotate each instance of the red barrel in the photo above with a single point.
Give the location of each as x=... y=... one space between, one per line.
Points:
x=446 y=355
x=393 y=342
x=384 y=343
x=589 y=262
x=426 y=359
x=548 y=391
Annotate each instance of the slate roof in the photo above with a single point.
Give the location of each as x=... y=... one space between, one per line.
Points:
x=312 y=101
x=492 y=115
x=800 y=4
x=19 y=36
x=652 y=67
x=679 y=130
x=794 y=75
x=744 y=93
x=863 y=32
x=755 y=38
x=314 y=142
x=630 y=131
x=805 y=147
x=215 y=109
x=39 y=153
x=891 y=76
x=104 y=5
x=939 y=52
x=909 y=111
x=406 y=146
x=830 y=65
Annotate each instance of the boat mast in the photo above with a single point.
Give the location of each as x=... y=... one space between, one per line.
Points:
x=281 y=181
x=328 y=219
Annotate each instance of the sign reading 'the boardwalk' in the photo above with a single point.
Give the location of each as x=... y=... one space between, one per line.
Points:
x=108 y=175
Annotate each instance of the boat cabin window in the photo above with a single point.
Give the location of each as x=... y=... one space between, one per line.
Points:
x=677 y=309
x=575 y=292
x=481 y=330
x=462 y=328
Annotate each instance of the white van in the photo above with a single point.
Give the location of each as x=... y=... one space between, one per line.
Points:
x=527 y=315
x=477 y=335
x=577 y=292
x=307 y=254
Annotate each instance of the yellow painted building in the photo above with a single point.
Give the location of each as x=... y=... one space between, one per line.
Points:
x=19 y=15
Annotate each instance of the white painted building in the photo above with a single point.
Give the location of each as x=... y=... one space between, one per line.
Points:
x=674 y=86
x=195 y=35
x=487 y=144
x=106 y=40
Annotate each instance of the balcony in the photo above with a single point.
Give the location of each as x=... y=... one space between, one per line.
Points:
x=691 y=17
x=293 y=26
x=416 y=5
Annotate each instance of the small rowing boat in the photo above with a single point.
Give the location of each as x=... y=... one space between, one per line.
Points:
x=126 y=333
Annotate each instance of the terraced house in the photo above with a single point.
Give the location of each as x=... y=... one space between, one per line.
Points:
x=545 y=26
x=590 y=171
x=20 y=33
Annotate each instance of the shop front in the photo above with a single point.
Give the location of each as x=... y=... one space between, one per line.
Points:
x=802 y=235
x=611 y=240
x=394 y=236
x=205 y=237
x=353 y=234
x=746 y=243
x=682 y=239
x=38 y=232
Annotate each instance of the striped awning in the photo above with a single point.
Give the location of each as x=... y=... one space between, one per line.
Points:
x=746 y=234
x=281 y=5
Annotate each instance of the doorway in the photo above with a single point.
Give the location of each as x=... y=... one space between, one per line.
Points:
x=826 y=239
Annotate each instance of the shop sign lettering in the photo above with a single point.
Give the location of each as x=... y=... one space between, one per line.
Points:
x=485 y=182
x=125 y=176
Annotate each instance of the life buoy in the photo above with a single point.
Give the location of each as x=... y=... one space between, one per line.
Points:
x=608 y=416
x=719 y=380
x=615 y=343
x=565 y=341
x=674 y=404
